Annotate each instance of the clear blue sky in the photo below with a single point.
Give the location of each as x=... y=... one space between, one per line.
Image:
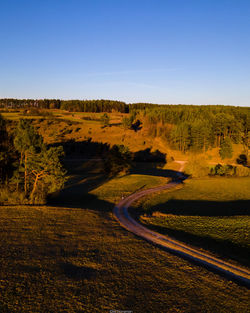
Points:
x=160 y=51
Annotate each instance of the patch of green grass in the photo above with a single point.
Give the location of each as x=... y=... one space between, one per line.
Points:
x=208 y=189
x=15 y=116
x=226 y=236
x=211 y=213
x=114 y=189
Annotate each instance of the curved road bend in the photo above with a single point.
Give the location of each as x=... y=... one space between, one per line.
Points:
x=217 y=265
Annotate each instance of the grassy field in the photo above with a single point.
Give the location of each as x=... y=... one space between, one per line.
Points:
x=15 y=116
x=123 y=186
x=211 y=213
x=78 y=258
x=58 y=259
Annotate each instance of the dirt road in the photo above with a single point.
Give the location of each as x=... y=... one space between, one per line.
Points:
x=217 y=265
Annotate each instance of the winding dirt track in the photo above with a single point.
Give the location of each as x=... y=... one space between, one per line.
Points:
x=226 y=269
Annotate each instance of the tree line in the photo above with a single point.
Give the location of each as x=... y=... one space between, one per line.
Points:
x=94 y=106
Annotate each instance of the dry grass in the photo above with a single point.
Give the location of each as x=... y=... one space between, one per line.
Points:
x=80 y=260
x=63 y=125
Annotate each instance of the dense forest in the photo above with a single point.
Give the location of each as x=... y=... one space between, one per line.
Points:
x=69 y=105
x=200 y=127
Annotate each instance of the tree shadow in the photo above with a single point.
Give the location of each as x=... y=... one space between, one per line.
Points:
x=115 y=124
x=76 y=193
x=155 y=169
x=136 y=126
x=84 y=162
x=85 y=149
x=222 y=247
x=77 y=272
x=28 y=268
x=147 y=155
x=204 y=208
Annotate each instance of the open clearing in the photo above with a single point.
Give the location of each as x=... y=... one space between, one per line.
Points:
x=211 y=213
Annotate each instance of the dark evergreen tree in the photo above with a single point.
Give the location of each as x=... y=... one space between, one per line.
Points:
x=226 y=150
x=127 y=123
x=27 y=142
x=118 y=160
x=39 y=166
x=105 y=120
x=6 y=152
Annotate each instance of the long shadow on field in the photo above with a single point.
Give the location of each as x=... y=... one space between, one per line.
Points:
x=84 y=176
x=86 y=149
x=205 y=208
x=222 y=247
x=87 y=175
x=84 y=162
x=145 y=162
x=152 y=169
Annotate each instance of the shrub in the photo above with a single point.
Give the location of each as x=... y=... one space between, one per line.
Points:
x=223 y=170
x=229 y=170
x=242 y=159
x=242 y=171
x=127 y=123
x=105 y=120
x=197 y=167
x=8 y=196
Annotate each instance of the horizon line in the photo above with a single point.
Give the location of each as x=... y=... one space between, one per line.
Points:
x=98 y=99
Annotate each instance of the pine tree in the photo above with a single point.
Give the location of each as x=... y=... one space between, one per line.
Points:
x=27 y=142
x=105 y=120
x=46 y=171
x=6 y=151
x=226 y=150
x=39 y=165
